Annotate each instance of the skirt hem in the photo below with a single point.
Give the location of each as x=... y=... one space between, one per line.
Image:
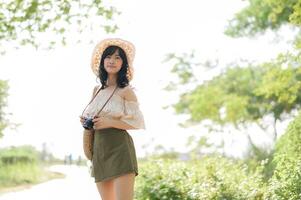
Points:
x=115 y=176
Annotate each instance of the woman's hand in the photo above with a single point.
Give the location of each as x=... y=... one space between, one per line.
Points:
x=82 y=119
x=101 y=122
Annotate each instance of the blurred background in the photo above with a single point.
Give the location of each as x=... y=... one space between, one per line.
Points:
x=218 y=83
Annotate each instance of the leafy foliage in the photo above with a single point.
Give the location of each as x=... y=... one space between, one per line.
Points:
x=261 y=15
x=210 y=178
x=22 y=154
x=216 y=177
x=21 y=165
x=243 y=95
x=286 y=181
x=22 y=21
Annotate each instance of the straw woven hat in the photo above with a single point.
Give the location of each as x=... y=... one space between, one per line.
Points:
x=127 y=46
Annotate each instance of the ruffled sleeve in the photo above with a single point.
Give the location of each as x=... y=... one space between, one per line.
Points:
x=133 y=115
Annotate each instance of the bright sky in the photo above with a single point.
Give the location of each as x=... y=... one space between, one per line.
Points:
x=49 y=89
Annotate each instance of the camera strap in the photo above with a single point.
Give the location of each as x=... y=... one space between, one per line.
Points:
x=104 y=103
x=107 y=100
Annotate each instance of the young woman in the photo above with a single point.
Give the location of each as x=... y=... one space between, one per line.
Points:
x=114 y=158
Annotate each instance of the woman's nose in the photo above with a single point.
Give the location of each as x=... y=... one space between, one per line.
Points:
x=112 y=60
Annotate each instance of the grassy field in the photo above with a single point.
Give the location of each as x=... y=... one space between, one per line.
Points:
x=19 y=176
x=21 y=167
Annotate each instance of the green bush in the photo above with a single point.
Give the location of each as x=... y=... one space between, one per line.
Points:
x=20 y=173
x=14 y=155
x=286 y=181
x=207 y=179
x=19 y=165
x=156 y=181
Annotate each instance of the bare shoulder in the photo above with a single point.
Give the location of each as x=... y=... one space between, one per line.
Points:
x=96 y=87
x=128 y=93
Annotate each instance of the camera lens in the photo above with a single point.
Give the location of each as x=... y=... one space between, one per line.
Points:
x=88 y=124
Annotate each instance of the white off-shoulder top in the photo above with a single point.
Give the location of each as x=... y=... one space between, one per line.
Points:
x=116 y=108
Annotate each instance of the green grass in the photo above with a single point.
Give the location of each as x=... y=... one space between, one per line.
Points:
x=21 y=175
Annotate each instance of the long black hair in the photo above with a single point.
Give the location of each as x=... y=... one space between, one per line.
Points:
x=122 y=80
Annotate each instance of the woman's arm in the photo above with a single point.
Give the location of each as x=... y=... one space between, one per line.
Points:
x=120 y=124
x=105 y=122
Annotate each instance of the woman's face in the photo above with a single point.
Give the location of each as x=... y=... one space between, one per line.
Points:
x=113 y=63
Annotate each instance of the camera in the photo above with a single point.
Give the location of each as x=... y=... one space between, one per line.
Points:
x=88 y=123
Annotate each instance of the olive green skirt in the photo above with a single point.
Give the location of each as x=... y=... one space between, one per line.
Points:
x=113 y=154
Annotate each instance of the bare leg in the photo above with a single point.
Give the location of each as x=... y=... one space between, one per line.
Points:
x=106 y=190
x=124 y=187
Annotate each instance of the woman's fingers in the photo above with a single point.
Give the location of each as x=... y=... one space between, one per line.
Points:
x=82 y=119
x=96 y=119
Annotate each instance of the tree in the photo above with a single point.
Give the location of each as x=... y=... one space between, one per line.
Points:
x=261 y=15
x=243 y=95
x=246 y=94
x=255 y=19
x=3 y=97
x=24 y=22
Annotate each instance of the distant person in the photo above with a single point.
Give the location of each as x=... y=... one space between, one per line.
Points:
x=79 y=160
x=70 y=159
x=114 y=158
x=66 y=160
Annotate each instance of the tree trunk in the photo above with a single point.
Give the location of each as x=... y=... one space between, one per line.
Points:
x=275 y=130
